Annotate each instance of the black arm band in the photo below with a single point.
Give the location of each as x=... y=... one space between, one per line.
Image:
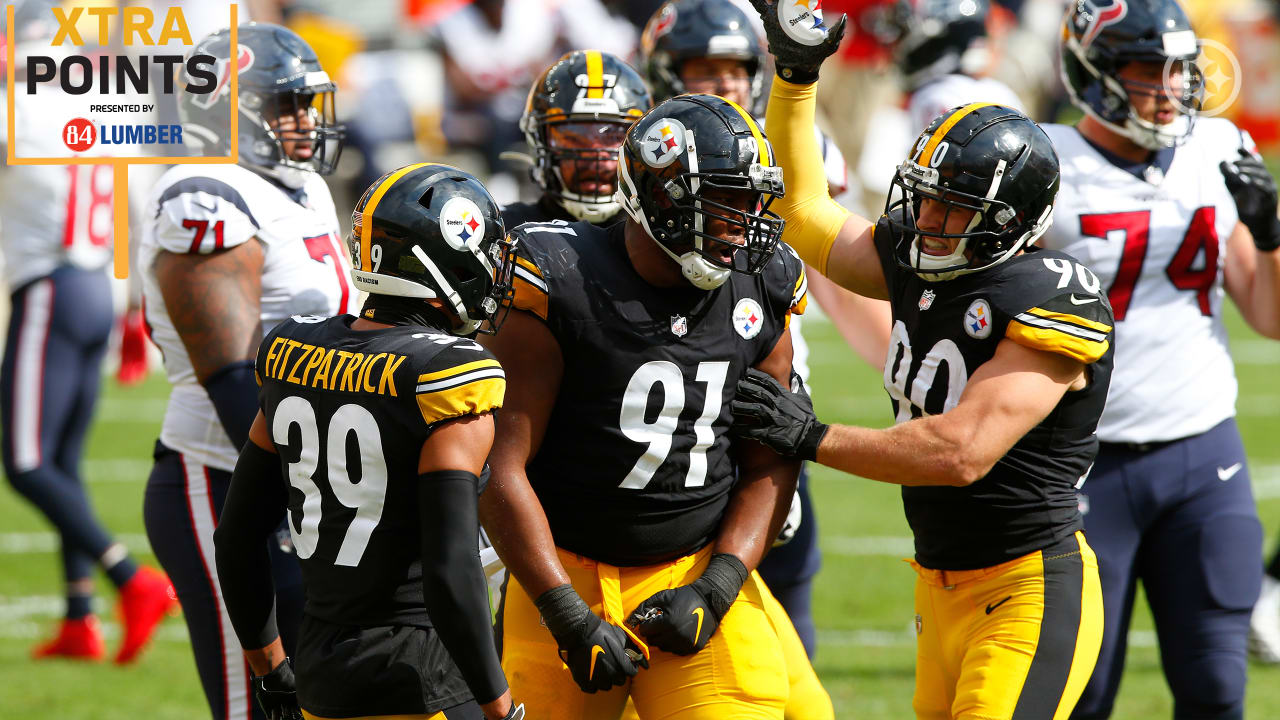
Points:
x=234 y=393
x=721 y=582
x=798 y=76
x=453 y=581
x=563 y=610
x=256 y=501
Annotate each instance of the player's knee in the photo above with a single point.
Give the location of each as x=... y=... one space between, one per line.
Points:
x=809 y=701
x=1210 y=689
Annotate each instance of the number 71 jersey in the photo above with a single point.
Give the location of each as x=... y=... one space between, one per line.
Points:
x=1159 y=246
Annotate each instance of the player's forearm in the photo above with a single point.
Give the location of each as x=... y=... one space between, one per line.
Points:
x=922 y=452
x=813 y=218
x=758 y=506
x=513 y=517
x=264 y=660
x=1264 y=300
x=453 y=583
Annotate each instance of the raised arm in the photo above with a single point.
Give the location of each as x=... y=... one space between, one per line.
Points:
x=1253 y=261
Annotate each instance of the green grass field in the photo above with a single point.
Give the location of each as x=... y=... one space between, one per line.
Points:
x=862 y=599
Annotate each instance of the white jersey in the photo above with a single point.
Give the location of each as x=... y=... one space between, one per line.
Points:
x=940 y=95
x=1158 y=246
x=54 y=215
x=306 y=271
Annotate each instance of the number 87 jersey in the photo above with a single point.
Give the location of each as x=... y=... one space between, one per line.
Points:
x=1156 y=235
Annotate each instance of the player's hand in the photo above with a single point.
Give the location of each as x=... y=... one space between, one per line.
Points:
x=1254 y=191
x=678 y=621
x=133 y=348
x=594 y=650
x=798 y=39
x=783 y=421
x=277 y=694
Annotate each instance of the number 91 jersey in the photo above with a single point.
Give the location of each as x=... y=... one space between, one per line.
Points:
x=942 y=333
x=635 y=467
x=348 y=411
x=1158 y=245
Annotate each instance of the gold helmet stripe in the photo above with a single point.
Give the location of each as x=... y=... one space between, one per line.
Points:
x=595 y=74
x=366 y=224
x=934 y=140
x=766 y=157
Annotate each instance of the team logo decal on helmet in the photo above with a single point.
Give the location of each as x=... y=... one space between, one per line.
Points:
x=462 y=223
x=1094 y=18
x=802 y=20
x=244 y=61
x=664 y=142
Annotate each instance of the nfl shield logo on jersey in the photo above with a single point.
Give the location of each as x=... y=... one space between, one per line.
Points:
x=679 y=326
x=748 y=318
x=977 y=319
x=926 y=299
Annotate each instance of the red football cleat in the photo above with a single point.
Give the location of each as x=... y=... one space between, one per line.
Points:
x=144 y=600
x=78 y=639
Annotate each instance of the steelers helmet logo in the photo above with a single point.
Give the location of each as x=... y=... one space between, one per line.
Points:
x=663 y=142
x=802 y=21
x=461 y=223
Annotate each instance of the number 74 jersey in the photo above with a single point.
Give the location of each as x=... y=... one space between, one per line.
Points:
x=1158 y=244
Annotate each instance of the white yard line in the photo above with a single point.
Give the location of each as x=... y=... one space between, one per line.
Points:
x=31 y=543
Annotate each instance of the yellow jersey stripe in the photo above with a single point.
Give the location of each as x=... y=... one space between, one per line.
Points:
x=459 y=369
x=366 y=225
x=1054 y=341
x=595 y=74
x=473 y=398
x=944 y=128
x=766 y=158
x=1069 y=318
x=529 y=265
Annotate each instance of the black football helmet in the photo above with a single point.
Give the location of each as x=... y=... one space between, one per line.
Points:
x=673 y=156
x=591 y=97
x=939 y=37
x=986 y=158
x=433 y=231
x=1100 y=36
x=685 y=29
x=279 y=76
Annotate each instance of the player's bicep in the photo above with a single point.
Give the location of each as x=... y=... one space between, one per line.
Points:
x=202 y=215
x=531 y=357
x=214 y=302
x=854 y=263
x=461 y=443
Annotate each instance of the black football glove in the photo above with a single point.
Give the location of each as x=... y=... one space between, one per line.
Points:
x=798 y=41
x=766 y=412
x=594 y=650
x=681 y=620
x=1254 y=191
x=277 y=694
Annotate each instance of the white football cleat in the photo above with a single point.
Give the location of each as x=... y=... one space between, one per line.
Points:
x=1264 y=624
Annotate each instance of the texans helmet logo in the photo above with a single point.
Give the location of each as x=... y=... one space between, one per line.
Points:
x=1094 y=17
x=244 y=61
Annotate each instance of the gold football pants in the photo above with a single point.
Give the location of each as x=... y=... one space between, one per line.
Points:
x=739 y=674
x=1016 y=640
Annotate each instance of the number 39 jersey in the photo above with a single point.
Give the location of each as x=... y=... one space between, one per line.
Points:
x=942 y=333
x=348 y=411
x=635 y=467
x=200 y=209
x=1158 y=245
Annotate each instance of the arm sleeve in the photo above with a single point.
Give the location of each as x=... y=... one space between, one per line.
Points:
x=256 y=502
x=813 y=218
x=201 y=215
x=233 y=390
x=453 y=581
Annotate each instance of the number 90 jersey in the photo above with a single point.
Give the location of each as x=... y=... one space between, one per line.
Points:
x=1158 y=244
x=201 y=209
x=942 y=333
x=635 y=467
x=348 y=411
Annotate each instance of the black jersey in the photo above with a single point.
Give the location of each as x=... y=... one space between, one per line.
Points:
x=543 y=210
x=942 y=332
x=635 y=467
x=348 y=412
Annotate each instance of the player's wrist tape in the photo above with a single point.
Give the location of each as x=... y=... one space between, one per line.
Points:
x=564 y=611
x=808 y=448
x=798 y=75
x=721 y=582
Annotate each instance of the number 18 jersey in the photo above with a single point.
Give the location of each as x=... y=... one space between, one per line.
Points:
x=1158 y=243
